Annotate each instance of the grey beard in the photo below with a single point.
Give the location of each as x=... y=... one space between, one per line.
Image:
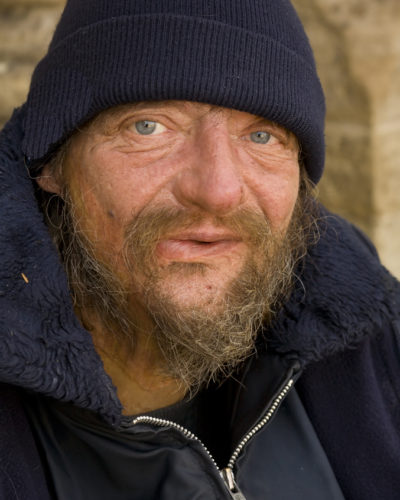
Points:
x=198 y=344
x=204 y=344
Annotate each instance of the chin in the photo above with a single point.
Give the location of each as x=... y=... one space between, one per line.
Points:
x=194 y=291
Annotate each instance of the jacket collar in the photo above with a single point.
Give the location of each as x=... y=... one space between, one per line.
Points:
x=342 y=295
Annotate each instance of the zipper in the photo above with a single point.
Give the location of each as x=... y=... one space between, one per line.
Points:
x=263 y=422
x=227 y=473
x=160 y=422
x=229 y=480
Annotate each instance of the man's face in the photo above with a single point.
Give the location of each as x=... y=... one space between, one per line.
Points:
x=187 y=157
x=187 y=204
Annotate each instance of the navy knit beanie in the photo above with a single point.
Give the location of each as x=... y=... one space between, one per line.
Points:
x=250 y=55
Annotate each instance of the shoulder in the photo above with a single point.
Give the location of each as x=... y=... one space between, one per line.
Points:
x=341 y=296
x=353 y=400
x=344 y=265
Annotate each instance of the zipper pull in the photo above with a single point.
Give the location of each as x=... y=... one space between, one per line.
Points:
x=230 y=483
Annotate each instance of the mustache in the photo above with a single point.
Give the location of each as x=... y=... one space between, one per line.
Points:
x=145 y=230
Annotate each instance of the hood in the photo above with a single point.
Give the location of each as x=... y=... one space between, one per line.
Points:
x=342 y=295
x=43 y=347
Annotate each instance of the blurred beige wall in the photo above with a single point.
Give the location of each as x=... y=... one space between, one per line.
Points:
x=357 y=47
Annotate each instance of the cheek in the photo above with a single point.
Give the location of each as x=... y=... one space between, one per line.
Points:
x=127 y=183
x=111 y=187
x=95 y=207
x=278 y=203
x=274 y=187
x=99 y=220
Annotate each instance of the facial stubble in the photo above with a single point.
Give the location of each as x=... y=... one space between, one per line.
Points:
x=197 y=343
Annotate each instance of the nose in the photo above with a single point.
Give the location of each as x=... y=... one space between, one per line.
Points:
x=211 y=178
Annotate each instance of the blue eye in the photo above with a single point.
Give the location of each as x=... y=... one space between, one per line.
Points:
x=145 y=127
x=260 y=137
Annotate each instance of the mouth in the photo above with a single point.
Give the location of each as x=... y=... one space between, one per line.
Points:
x=190 y=247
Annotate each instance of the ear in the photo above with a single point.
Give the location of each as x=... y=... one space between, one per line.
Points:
x=48 y=181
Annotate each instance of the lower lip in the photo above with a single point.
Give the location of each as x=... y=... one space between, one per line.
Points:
x=190 y=250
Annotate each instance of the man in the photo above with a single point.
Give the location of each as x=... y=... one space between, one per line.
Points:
x=179 y=317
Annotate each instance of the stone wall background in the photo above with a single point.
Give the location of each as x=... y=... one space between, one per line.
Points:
x=357 y=47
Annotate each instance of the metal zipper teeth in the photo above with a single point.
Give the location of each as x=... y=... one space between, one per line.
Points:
x=188 y=434
x=275 y=405
x=168 y=423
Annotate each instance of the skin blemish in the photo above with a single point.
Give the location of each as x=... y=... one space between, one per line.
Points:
x=111 y=214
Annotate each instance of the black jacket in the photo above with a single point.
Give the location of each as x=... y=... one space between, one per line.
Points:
x=339 y=329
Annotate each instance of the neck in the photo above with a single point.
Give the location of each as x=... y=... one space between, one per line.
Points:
x=137 y=372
